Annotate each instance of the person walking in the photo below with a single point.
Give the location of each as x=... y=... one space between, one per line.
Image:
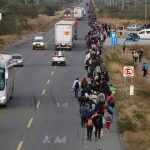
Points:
x=76 y=86
x=89 y=126
x=124 y=46
x=141 y=54
x=98 y=124
x=108 y=119
x=145 y=69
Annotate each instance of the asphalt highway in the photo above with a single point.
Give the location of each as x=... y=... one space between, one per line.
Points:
x=43 y=114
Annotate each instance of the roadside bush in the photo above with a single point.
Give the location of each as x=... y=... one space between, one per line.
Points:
x=126 y=124
x=139 y=116
x=144 y=93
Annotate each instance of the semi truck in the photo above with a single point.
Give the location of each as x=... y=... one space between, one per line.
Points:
x=78 y=12
x=64 y=34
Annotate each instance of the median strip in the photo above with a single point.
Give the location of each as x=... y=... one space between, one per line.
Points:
x=20 y=145
x=30 y=122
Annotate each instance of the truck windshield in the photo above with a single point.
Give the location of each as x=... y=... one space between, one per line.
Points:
x=2 y=79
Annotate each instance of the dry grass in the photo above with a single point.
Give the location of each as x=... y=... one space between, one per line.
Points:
x=38 y=25
x=136 y=111
x=119 y=22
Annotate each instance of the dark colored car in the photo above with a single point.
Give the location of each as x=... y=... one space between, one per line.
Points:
x=133 y=37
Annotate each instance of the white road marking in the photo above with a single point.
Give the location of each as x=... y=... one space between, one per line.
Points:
x=55 y=67
x=58 y=104
x=47 y=139
x=65 y=105
x=30 y=123
x=54 y=140
x=48 y=81
x=52 y=73
x=60 y=140
x=20 y=145
x=38 y=104
x=43 y=92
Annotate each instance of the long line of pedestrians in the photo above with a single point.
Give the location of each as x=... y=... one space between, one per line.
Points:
x=96 y=99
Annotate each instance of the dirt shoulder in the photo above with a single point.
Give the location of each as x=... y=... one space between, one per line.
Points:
x=133 y=113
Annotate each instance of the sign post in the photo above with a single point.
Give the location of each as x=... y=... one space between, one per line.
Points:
x=128 y=71
x=0 y=15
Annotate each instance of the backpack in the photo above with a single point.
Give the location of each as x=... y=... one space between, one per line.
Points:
x=77 y=85
x=83 y=112
x=98 y=120
x=90 y=123
x=108 y=119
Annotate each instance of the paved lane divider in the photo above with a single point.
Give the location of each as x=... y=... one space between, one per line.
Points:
x=19 y=145
x=52 y=73
x=30 y=123
x=43 y=92
x=38 y=104
x=48 y=81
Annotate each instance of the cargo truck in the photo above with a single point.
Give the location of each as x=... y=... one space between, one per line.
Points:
x=64 y=34
x=78 y=12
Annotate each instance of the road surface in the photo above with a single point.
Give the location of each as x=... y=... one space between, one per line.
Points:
x=43 y=114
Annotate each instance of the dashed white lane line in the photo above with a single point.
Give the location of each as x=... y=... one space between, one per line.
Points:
x=30 y=123
x=55 y=67
x=38 y=104
x=48 y=81
x=20 y=145
x=43 y=92
x=52 y=73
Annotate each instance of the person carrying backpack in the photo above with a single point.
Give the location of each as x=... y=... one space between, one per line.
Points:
x=76 y=86
x=89 y=126
x=83 y=113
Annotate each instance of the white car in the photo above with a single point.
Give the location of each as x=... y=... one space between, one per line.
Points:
x=59 y=60
x=134 y=27
x=17 y=60
x=38 y=42
x=144 y=34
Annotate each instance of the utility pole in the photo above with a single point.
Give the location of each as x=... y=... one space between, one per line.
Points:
x=145 y=11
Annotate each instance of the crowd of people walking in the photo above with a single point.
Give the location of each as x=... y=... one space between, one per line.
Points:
x=93 y=92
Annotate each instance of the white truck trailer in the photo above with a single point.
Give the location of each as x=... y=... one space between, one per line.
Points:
x=64 y=34
x=78 y=12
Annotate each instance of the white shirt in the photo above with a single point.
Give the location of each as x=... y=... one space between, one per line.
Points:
x=74 y=83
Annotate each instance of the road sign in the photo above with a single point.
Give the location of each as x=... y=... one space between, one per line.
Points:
x=114 y=41
x=114 y=34
x=131 y=90
x=128 y=71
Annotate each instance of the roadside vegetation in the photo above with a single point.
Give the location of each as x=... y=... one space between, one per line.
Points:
x=133 y=114
x=20 y=20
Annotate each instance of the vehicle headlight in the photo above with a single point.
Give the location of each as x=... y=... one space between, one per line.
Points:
x=65 y=15
x=42 y=43
x=3 y=98
x=19 y=61
x=34 y=43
